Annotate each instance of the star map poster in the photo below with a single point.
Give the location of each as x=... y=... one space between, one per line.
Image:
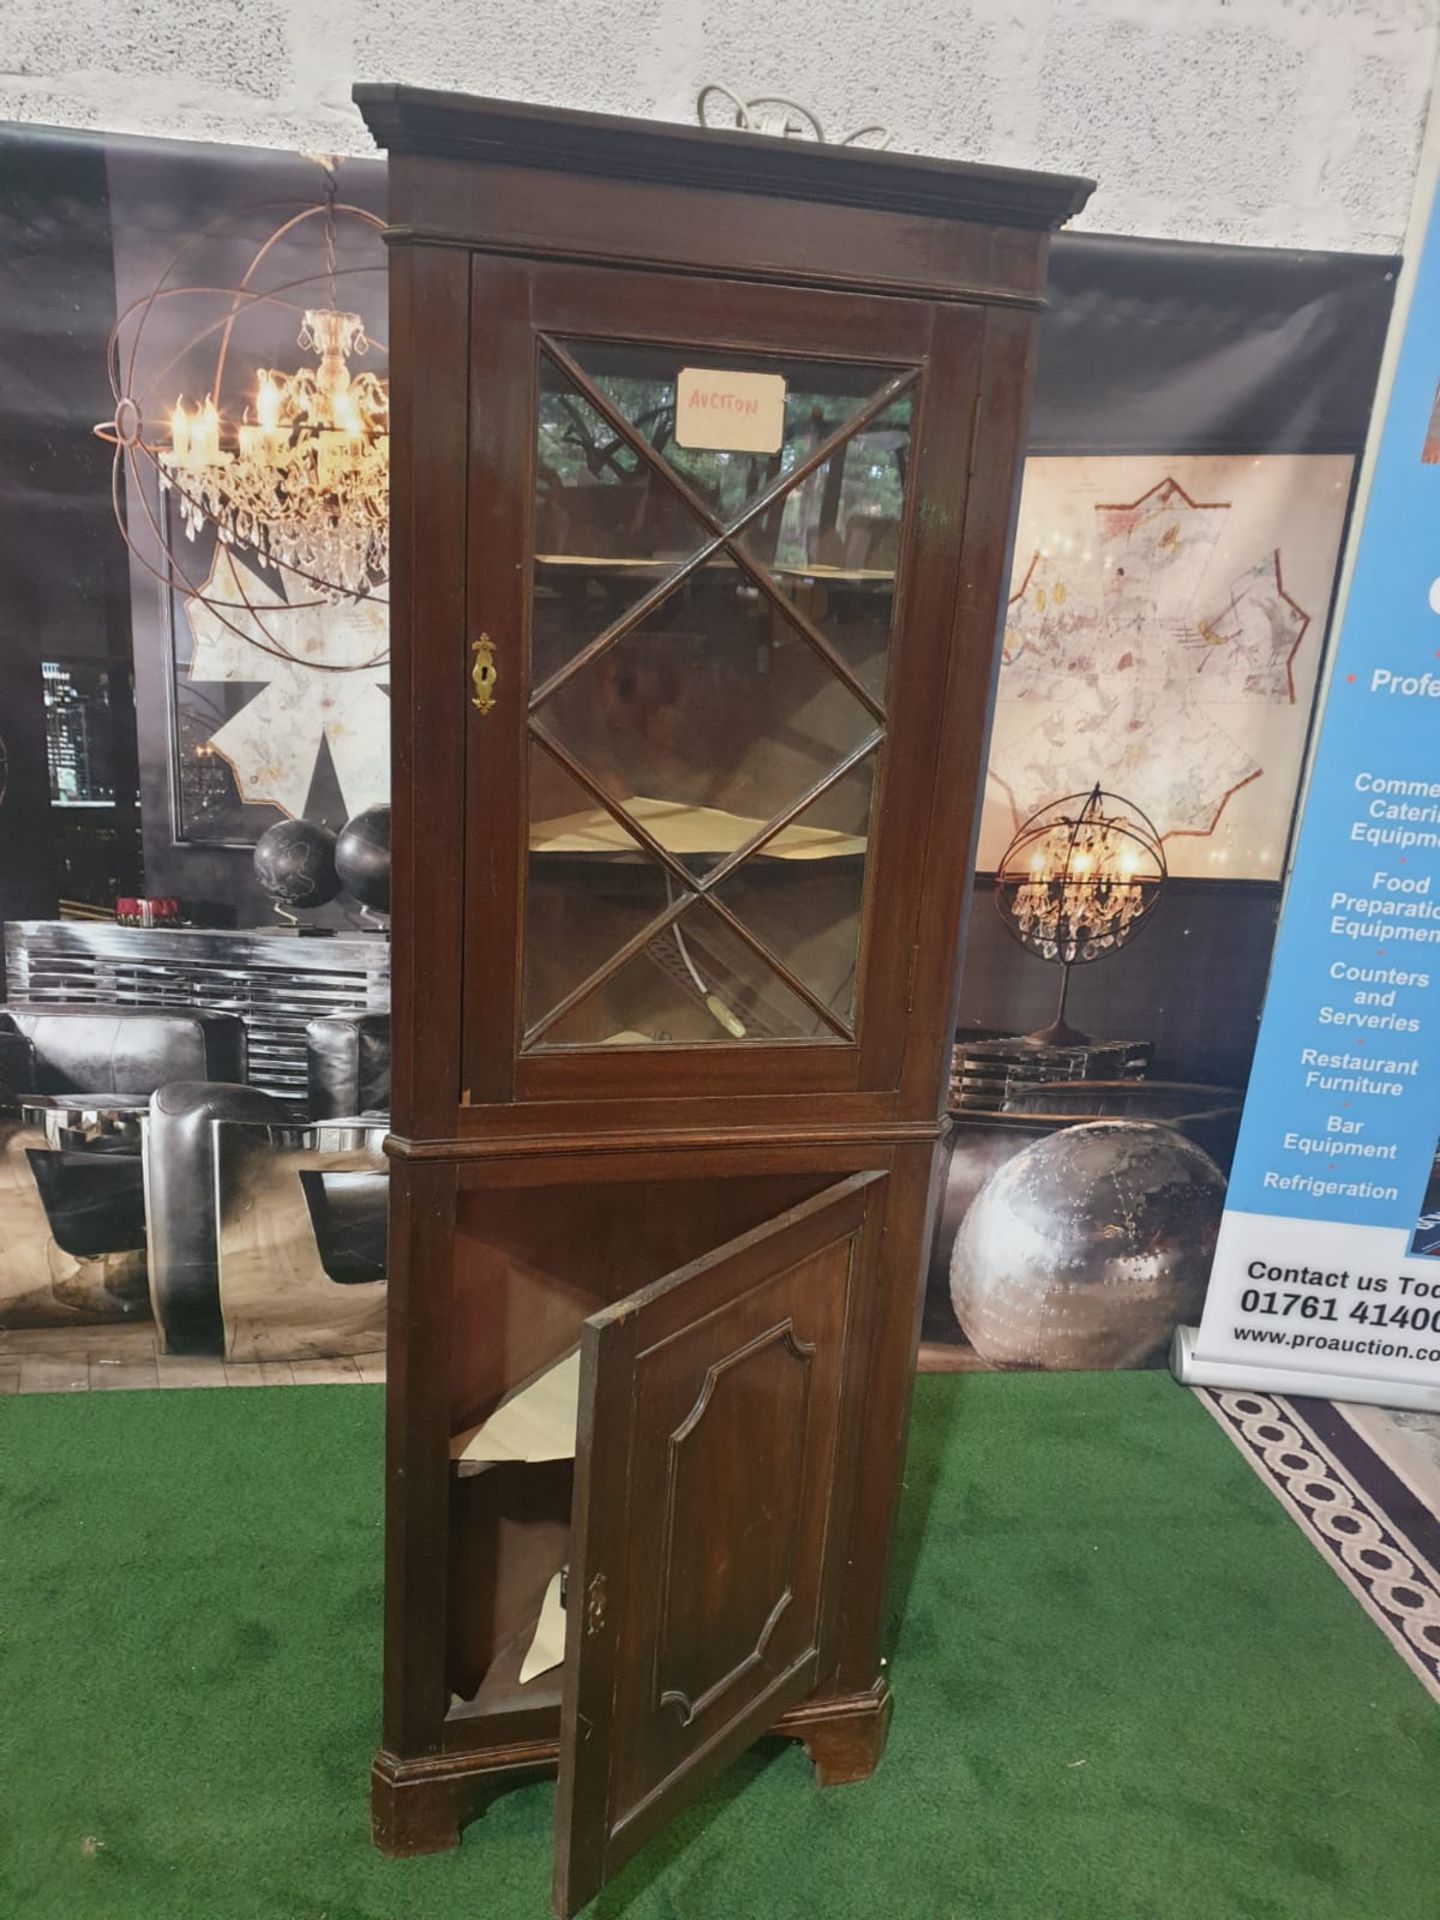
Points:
x=1163 y=636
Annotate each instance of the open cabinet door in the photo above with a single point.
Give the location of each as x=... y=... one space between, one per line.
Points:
x=711 y=1455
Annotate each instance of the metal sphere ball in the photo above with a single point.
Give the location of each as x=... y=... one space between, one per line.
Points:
x=1088 y=1248
x=295 y=863
x=362 y=858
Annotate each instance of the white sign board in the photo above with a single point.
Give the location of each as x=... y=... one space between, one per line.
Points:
x=729 y=412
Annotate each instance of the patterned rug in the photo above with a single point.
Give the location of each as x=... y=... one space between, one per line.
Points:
x=1363 y=1484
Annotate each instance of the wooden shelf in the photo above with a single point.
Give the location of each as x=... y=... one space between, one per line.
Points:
x=688 y=830
x=613 y=563
x=535 y=1422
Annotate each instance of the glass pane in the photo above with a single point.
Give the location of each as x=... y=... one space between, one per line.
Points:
x=695 y=982
x=713 y=715
x=606 y=527
x=642 y=381
x=590 y=887
x=831 y=542
x=839 y=540
x=709 y=718
x=801 y=893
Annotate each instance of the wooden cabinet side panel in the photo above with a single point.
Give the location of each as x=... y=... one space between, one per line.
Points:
x=967 y=703
x=880 y=1414
x=430 y=334
x=417 y=1456
x=495 y=822
x=912 y=797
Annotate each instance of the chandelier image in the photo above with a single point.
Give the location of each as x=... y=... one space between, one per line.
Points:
x=1077 y=883
x=305 y=484
x=287 y=468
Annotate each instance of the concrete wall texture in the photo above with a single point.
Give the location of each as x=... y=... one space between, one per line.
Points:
x=1291 y=123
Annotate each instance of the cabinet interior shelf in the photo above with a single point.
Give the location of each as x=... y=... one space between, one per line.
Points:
x=535 y=1422
x=688 y=830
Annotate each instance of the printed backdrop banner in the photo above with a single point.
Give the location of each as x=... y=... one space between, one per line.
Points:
x=1197 y=421
x=1326 y=1278
x=167 y=701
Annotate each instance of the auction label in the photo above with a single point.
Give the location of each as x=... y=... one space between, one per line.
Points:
x=1328 y=1259
x=733 y=412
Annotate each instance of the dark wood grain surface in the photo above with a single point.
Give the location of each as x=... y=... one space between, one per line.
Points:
x=744 y=1399
x=705 y=1543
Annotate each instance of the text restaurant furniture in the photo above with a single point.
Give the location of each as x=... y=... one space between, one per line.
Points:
x=704 y=463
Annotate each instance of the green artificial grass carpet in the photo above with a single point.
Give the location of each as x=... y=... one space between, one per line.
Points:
x=1126 y=1687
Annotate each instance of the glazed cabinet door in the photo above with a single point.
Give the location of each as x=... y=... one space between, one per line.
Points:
x=714 y=1470
x=715 y=535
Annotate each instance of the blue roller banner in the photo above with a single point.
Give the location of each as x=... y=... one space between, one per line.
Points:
x=1327 y=1271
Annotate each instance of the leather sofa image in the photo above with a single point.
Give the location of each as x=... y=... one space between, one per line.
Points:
x=75 y=1083
x=267 y=1225
x=140 y=1174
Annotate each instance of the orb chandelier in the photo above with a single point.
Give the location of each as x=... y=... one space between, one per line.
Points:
x=1076 y=883
x=288 y=467
x=304 y=483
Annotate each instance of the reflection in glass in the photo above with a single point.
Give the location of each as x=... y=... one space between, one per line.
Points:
x=602 y=519
x=708 y=719
x=800 y=894
x=591 y=887
x=845 y=514
x=639 y=382
x=696 y=981
x=838 y=548
x=706 y=716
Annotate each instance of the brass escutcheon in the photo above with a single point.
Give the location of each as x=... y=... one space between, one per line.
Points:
x=483 y=673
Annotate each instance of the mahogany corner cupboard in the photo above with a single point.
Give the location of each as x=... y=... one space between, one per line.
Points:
x=704 y=463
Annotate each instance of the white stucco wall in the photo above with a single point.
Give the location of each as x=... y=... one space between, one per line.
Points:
x=1274 y=122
